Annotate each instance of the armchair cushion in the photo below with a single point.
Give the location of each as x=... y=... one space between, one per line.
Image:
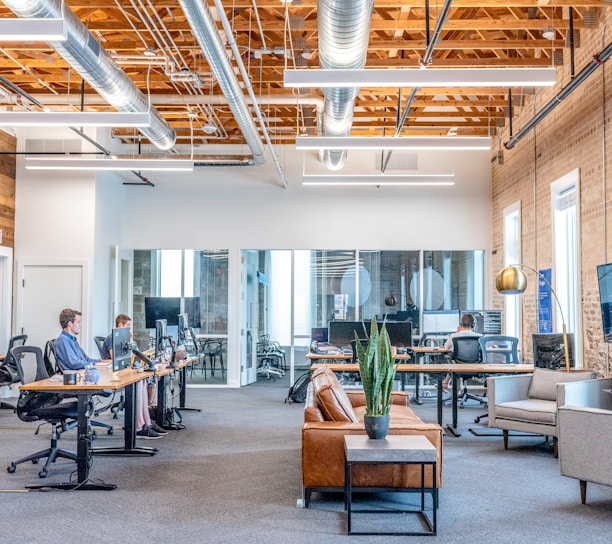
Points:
x=331 y=397
x=544 y=382
x=531 y=411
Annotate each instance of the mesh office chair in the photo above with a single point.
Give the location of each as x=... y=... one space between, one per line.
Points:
x=497 y=349
x=41 y=406
x=99 y=340
x=8 y=369
x=466 y=349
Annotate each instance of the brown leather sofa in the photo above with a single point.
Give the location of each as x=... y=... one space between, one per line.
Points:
x=329 y=414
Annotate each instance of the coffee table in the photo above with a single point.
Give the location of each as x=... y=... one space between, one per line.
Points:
x=395 y=450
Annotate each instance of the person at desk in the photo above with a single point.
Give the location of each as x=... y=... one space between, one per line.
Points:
x=70 y=355
x=145 y=427
x=465 y=328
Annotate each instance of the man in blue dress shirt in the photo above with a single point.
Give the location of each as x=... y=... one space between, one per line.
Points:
x=70 y=355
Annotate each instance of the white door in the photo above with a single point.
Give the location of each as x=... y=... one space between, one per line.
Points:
x=45 y=290
x=6 y=300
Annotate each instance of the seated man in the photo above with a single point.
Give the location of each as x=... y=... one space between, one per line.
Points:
x=145 y=427
x=465 y=328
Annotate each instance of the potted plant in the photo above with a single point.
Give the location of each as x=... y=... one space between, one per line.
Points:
x=377 y=368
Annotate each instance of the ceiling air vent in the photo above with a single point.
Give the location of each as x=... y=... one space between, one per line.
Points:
x=53 y=147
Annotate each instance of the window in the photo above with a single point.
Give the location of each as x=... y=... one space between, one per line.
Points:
x=512 y=255
x=565 y=203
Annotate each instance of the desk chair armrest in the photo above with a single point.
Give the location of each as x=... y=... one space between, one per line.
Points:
x=507 y=388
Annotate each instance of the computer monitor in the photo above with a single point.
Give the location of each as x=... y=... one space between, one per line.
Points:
x=320 y=334
x=549 y=352
x=166 y=308
x=400 y=333
x=161 y=337
x=342 y=333
x=486 y=321
x=183 y=329
x=122 y=354
x=440 y=321
x=191 y=307
x=604 y=279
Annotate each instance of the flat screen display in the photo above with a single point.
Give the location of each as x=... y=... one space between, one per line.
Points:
x=183 y=329
x=604 y=278
x=487 y=321
x=440 y=321
x=549 y=351
x=122 y=354
x=166 y=308
x=342 y=333
x=161 y=336
x=320 y=334
x=400 y=333
x=192 y=309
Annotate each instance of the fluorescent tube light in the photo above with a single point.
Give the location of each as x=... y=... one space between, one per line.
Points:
x=67 y=163
x=74 y=119
x=28 y=30
x=406 y=142
x=414 y=180
x=417 y=77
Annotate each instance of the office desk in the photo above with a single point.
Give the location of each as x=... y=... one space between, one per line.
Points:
x=440 y=370
x=332 y=357
x=124 y=379
x=181 y=367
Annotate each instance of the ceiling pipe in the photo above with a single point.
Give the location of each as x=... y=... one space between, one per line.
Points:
x=85 y=54
x=344 y=32
x=424 y=62
x=580 y=77
x=205 y=32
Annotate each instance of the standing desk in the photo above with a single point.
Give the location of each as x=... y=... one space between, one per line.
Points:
x=124 y=379
x=181 y=367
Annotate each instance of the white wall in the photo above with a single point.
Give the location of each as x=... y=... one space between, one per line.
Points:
x=70 y=216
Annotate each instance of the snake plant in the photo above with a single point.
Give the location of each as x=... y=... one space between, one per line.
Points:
x=377 y=368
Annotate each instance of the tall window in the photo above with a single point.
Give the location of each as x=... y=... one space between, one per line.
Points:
x=512 y=255
x=566 y=251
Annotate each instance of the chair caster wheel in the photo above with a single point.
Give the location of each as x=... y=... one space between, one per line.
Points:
x=42 y=474
x=34 y=461
x=477 y=420
x=10 y=469
x=110 y=431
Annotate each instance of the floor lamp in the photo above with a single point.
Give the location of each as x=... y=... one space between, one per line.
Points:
x=511 y=280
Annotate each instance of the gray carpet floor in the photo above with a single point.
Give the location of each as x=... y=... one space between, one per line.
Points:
x=233 y=476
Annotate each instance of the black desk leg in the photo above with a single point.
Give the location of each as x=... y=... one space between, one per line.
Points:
x=129 y=440
x=453 y=429
x=183 y=393
x=83 y=449
x=440 y=397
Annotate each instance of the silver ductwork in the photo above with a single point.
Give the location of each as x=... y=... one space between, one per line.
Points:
x=83 y=52
x=344 y=31
x=205 y=32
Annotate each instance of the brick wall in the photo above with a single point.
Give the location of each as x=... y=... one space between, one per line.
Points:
x=7 y=189
x=576 y=134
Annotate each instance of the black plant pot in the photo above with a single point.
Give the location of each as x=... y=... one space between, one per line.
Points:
x=376 y=427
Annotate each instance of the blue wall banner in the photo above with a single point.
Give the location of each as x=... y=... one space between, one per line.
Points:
x=544 y=302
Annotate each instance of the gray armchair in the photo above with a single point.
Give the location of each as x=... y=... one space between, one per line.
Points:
x=529 y=402
x=585 y=434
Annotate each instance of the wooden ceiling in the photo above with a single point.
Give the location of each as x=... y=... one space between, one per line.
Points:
x=152 y=42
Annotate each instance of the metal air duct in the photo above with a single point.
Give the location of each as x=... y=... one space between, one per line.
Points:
x=205 y=31
x=83 y=52
x=344 y=31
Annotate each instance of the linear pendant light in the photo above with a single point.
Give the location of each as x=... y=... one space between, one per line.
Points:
x=426 y=180
x=400 y=143
x=416 y=77
x=28 y=30
x=67 y=163
x=74 y=119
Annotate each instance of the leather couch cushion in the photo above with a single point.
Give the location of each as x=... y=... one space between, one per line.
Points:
x=544 y=382
x=331 y=398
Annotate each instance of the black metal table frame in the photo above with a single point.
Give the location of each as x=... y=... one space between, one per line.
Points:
x=432 y=523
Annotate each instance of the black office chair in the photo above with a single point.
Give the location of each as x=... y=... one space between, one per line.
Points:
x=497 y=349
x=9 y=374
x=52 y=361
x=466 y=350
x=42 y=406
x=99 y=340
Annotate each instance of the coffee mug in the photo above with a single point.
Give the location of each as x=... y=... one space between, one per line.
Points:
x=70 y=378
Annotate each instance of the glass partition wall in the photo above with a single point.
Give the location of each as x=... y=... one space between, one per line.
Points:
x=287 y=293
x=196 y=281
